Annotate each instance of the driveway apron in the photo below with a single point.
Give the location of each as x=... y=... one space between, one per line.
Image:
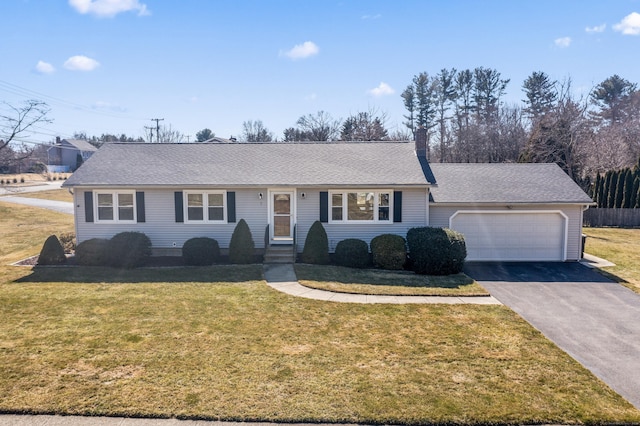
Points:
x=593 y=319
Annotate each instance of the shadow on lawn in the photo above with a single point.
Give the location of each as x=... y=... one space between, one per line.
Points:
x=90 y=274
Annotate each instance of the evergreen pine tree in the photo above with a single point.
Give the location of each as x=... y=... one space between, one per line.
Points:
x=620 y=189
x=595 y=193
x=628 y=190
x=634 y=193
x=611 y=196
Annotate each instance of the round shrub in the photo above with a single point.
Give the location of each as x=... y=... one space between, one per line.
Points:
x=201 y=251
x=52 y=252
x=92 y=252
x=389 y=251
x=436 y=251
x=316 y=245
x=352 y=253
x=241 y=246
x=128 y=250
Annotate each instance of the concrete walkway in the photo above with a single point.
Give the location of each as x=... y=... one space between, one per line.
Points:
x=282 y=277
x=58 y=206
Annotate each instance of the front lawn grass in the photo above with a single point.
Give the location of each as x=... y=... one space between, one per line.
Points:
x=218 y=343
x=620 y=246
x=53 y=194
x=242 y=351
x=376 y=281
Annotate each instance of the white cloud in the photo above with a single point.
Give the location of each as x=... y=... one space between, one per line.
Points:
x=311 y=97
x=383 y=89
x=596 y=29
x=108 y=8
x=366 y=17
x=44 y=67
x=81 y=63
x=563 y=42
x=630 y=24
x=302 y=51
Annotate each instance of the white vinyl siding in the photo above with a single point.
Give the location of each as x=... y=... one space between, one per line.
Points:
x=414 y=213
x=160 y=223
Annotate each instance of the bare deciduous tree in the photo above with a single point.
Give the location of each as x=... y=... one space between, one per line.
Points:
x=16 y=123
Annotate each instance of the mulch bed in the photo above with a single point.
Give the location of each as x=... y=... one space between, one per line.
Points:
x=152 y=262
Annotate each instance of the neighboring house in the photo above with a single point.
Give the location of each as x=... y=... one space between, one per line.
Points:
x=67 y=154
x=173 y=192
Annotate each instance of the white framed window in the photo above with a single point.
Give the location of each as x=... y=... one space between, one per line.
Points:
x=115 y=206
x=205 y=207
x=361 y=206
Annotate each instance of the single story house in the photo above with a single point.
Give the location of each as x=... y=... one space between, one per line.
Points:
x=173 y=192
x=68 y=154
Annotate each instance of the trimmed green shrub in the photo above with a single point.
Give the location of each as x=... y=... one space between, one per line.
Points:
x=201 y=251
x=241 y=246
x=128 y=250
x=92 y=252
x=68 y=241
x=389 y=251
x=52 y=252
x=436 y=251
x=316 y=245
x=353 y=253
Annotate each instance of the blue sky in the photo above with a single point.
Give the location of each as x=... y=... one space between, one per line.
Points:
x=109 y=66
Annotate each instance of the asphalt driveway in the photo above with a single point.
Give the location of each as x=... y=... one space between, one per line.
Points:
x=593 y=319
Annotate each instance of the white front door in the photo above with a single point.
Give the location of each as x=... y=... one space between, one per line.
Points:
x=282 y=216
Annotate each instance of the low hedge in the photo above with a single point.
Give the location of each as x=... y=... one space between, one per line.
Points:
x=436 y=251
x=128 y=250
x=353 y=253
x=389 y=251
x=92 y=252
x=201 y=251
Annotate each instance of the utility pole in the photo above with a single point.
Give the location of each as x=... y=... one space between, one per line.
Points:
x=150 y=133
x=157 y=120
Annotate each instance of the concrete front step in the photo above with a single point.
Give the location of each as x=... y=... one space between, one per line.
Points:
x=279 y=254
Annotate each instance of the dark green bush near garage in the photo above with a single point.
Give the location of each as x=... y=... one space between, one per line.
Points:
x=389 y=251
x=436 y=251
x=128 y=250
x=92 y=252
x=353 y=253
x=201 y=251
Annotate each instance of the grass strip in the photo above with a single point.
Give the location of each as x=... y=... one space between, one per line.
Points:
x=380 y=282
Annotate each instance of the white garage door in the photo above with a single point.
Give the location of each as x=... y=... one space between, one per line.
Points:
x=512 y=236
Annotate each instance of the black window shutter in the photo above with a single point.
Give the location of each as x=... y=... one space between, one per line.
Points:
x=231 y=207
x=88 y=206
x=140 y=207
x=179 y=206
x=397 y=206
x=324 y=206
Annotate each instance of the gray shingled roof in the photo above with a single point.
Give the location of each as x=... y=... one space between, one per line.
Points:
x=81 y=144
x=504 y=183
x=249 y=164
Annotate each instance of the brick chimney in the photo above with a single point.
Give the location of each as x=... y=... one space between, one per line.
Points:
x=57 y=140
x=422 y=143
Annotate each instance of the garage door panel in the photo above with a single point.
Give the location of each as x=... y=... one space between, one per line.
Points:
x=512 y=236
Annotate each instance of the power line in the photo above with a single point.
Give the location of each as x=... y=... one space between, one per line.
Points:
x=157 y=120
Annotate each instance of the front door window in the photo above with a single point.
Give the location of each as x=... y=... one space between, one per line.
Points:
x=281 y=215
